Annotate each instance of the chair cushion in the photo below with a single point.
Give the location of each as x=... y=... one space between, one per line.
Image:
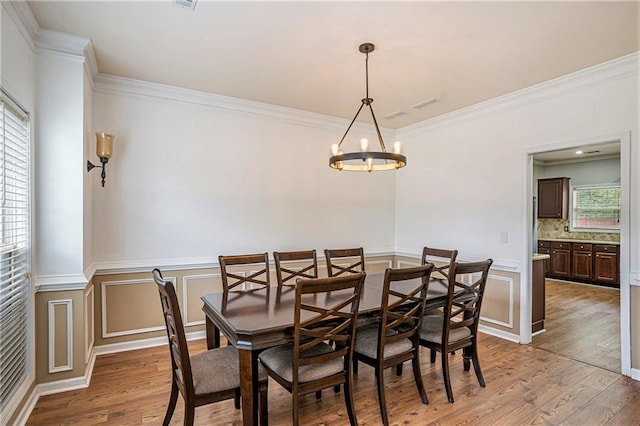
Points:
x=217 y=370
x=280 y=361
x=366 y=343
x=432 y=330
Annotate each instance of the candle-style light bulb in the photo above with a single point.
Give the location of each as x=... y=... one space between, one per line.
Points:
x=364 y=144
x=334 y=149
x=397 y=147
x=369 y=164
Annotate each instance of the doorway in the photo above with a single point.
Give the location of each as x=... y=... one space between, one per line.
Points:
x=583 y=321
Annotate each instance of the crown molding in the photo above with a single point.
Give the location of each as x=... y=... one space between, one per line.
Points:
x=617 y=68
x=22 y=16
x=111 y=84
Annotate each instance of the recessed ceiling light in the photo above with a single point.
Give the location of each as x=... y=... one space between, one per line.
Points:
x=578 y=152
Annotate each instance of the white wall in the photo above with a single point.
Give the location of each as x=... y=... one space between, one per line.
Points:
x=59 y=166
x=586 y=173
x=90 y=180
x=472 y=175
x=190 y=181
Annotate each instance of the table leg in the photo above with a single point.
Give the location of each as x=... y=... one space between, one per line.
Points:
x=213 y=334
x=249 y=386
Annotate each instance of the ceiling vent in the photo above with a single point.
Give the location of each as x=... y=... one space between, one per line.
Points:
x=425 y=103
x=187 y=4
x=395 y=115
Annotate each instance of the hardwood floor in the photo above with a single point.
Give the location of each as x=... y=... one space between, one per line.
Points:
x=525 y=385
x=583 y=323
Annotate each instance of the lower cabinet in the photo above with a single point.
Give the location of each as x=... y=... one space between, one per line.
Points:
x=561 y=260
x=587 y=262
x=581 y=261
x=606 y=264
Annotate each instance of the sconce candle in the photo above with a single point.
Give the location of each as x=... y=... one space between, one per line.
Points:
x=104 y=145
x=104 y=149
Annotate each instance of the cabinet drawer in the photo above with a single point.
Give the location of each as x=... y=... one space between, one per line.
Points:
x=544 y=244
x=557 y=245
x=581 y=246
x=606 y=248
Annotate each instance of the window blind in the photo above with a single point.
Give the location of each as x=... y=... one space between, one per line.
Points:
x=14 y=247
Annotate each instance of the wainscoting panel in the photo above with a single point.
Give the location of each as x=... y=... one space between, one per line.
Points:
x=60 y=338
x=193 y=288
x=89 y=336
x=131 y=307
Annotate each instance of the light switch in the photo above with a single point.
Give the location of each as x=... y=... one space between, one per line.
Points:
x=504 y=237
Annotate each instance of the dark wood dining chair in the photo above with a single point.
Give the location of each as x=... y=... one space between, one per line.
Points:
x=326 y=309
x=356 y=256
x=287 y=275
x=457 y=328
x=234 y=280
x=396 y=338
x=203 y=378
x=442 y=260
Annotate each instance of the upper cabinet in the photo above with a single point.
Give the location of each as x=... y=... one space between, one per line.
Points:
x=553 y=198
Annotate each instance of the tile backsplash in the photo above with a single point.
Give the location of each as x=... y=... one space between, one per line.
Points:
x=554 y=228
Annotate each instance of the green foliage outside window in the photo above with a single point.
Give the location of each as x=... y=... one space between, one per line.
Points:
x=596 y=208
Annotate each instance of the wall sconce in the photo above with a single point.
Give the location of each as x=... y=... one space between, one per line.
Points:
x=104 y=149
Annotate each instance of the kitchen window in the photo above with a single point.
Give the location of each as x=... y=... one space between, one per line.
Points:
x=596 y=208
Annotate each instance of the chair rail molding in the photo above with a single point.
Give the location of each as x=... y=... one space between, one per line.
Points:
x=62 y=282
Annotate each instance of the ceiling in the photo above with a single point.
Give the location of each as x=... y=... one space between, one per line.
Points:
x=304 y=55
x=579 y=154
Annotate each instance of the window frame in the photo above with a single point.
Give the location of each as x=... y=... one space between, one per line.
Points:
x=572 y=190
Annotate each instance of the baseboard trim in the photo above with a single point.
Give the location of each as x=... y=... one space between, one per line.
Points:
x=69 y=384
x=499 y=333
x=635 y=374
x=27 y=408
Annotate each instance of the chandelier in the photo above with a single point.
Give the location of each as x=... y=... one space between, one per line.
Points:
x=365 y=160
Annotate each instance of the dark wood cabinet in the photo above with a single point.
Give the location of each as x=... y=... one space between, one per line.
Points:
x=586 y=262
x=581 y=261
x=537 y=296
x=606 y=264
x=553 y=198
x=544 y=247
x=561 y=260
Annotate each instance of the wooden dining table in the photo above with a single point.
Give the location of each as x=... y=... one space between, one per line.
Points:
x=257 y=319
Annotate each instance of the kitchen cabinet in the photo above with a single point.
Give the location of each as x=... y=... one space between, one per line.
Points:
x=544 y=247
x=606 y=264
x=537 y=296
x=561 y=259
x=581 y=261
x=553 y=198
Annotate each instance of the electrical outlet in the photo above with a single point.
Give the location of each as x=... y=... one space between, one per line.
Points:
x=566 y=229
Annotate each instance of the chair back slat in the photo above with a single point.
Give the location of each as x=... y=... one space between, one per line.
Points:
x=309 y=268
x=442 y=260
x=464 y=298
x=403 y=300
x=326 y=309
x=335 y=269
x=180 y=362
x=233 y=280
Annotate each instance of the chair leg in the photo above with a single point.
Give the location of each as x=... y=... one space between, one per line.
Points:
x=381 y=398
x=348 y=401
x=476 y=365
x=172 y=403
x=417 y=375
x=399 y=370
x=189 y=414
x=318 y=394
x=336 y=389
x=295 y=409
x=445 y=374
x=264 y=406
x=432 y=355
x=355 y=366
x=236 y=399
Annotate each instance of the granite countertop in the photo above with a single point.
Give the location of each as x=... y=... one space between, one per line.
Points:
x=538 y=256
x=574 y=240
